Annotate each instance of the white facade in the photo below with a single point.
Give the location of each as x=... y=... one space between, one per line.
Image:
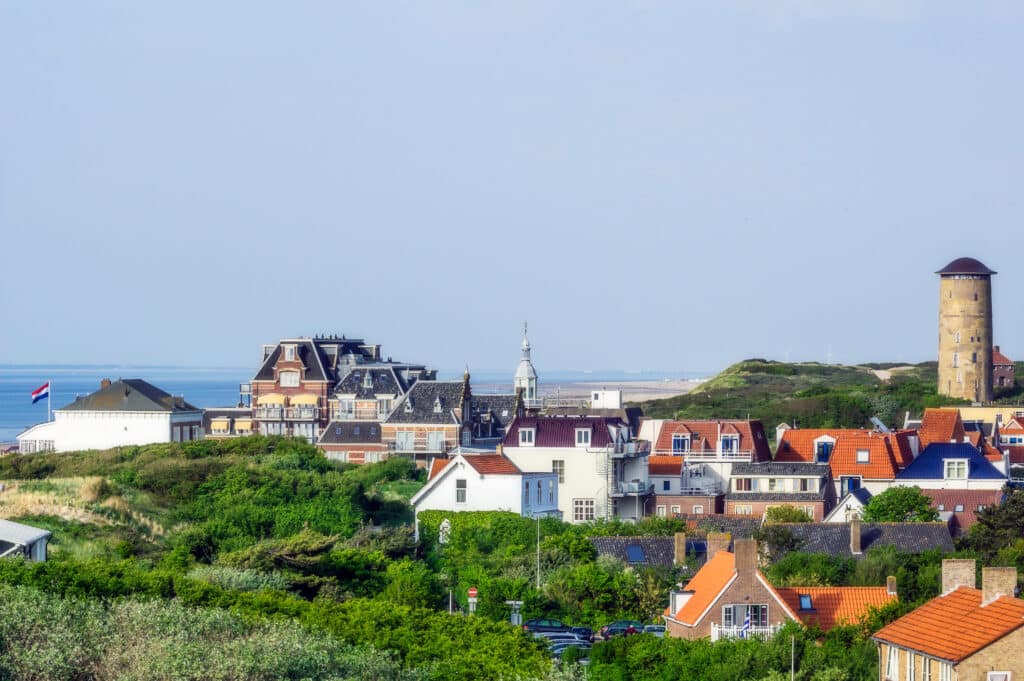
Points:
x=461 y=487
x=80 y=430
x=605 y=399
x=848 y=508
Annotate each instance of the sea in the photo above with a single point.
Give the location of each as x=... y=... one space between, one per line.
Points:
x=219 y=386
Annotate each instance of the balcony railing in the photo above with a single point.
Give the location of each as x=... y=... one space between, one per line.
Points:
x=632 y=488
x=302 y=413
x=420 y=444
x=708 y=489
x=730 y=455
x=719 y=632
x=268 y=413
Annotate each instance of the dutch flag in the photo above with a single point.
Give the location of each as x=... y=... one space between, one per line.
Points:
x=745 y=630
x=41 y=393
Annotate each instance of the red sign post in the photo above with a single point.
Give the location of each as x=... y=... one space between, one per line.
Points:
x=472 y=592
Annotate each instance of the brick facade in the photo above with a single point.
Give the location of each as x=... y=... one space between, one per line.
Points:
x=709 y=505
x=757 y=509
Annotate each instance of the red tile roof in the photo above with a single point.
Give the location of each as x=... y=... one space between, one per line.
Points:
x=968 y=499
x=941 y=425
x=955 y=626
x=832 y=605
x=709 y=581
x=1012 y=426
x=492 y=464
x=1000 y=358
x=560 y=431
x=881 y=463
x=1016 y=454
x=705 y=435
x=436 y=466
x=797 y=444
x=664 y=465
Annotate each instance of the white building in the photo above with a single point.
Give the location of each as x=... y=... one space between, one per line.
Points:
x=602 y=471
x=125 y=412
x=23 y=540
x=525 y=379
x=487 y=482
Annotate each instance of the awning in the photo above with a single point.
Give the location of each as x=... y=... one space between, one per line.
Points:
x=304 y=398
x=243 y=424
x=271 y=398
x=220 y=424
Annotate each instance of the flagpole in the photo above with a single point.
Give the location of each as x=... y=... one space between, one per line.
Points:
x=49 y=391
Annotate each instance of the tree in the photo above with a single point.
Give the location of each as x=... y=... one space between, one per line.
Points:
x=787 y=514
x=998 y=527
x=900 y=504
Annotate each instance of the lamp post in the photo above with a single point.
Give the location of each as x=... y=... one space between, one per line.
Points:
x=537 y=518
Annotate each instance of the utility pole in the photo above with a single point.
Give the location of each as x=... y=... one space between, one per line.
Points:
x=792 y=658
x=537 y=517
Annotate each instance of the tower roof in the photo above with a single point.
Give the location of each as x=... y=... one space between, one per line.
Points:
x=966 y=266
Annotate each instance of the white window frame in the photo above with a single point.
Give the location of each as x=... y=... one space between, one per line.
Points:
x=926 y=669
x=945 y=671
x=911 y=666
x=743 y=509
x=289 y=379
x=558 y=466
x=892 y=667
x=460 y=491
x=684 y=440
x=698 y=509
x=863 y=456
x=999 y=676
x=584 y=510
x=289 y=353
x=660 y=511
x=551 y=492
x=583 y=437
x=955 y=464
x=527 y=436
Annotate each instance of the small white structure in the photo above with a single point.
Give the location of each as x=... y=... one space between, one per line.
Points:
x=850 y=507
x=525 y=379
x=487 y=482
x=123 y=412
x=23 y=540
x=605 y=399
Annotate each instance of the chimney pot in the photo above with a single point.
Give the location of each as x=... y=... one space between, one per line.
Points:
x=746 y=556
x=996 y=582
x=855 y=543
x=679 y=557
x=957 y=572
x=890 y=585
x=718 y=541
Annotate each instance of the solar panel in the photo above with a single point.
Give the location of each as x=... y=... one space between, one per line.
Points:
x=635 y=554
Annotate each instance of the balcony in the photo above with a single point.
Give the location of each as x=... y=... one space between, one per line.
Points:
x=420 y=445
x=302 y=413
x=632 y=449
x=731 y=455
x=697 y=488
x=632 y=488
x=268 y=413
x=719 y=632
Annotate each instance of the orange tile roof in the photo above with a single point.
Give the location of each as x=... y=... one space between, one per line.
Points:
x=436 y=466
x=1000 y=358
x=492 y=464
x=834 y=605
x=941 y=425
x=797 y=444
x=955 y=625
x=709 y=581
x=706 y=435
x=901 y=447
x=664 y=465
x=881 y=464
x=1012 y=426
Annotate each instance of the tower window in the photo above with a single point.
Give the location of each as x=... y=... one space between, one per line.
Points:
x=975 y=296
x=956 y=338
x=974 y=357
x=956 y=359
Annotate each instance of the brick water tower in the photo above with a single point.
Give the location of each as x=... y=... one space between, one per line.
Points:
x=965 y=330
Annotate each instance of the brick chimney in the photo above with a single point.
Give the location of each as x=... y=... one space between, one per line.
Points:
x=679 y=548
x=890 y=585
x=718 y=541
x=105 y=383
x=996 y=582
x=855 y=544
x=957 y=572
x=746 y=556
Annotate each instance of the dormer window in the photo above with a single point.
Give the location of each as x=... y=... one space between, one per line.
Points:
x=526 y=436
x=408 y=406
x=583 y=437
x=368 y=380
x=289 y=353
x=288 y=379
x=956 y=469
x=680 y=443
x=823 y=450
x=437 y=405
x=730 y=443
x=863 y=456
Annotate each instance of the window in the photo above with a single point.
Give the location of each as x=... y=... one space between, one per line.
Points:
x=460 y=491
x=956 y=360
x=729 y=444
x=435 y=441
x=698 y=509
x=892 y=668
x=805 y=602
x=823 y=451
x=540 y=492
x=806 y=485
x=956 y=469
x=557 y=466
x=551 y=492
x=676 y=510
x=956 y=338
x=736 y=615
x=945 y=671
x=942 y=507
x=974 y=358
x=926 y=669
x=863 y=456
x=743 y=484
x=959 y=508
x=582 y=510
x=998 y=676
x=848 y=483
x=635 y=553
x=743 y=509
x=368 y=380
x=660 y=511
x=437 y=405
x=288 y=379
x=405 y=440
x=289 y=353
x=526 y=437
x=582 y=437
x=911 y=664
x=773 y=484
x=680 y=443
x=666 y=485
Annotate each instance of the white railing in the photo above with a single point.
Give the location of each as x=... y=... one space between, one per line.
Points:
x=633 y=487
x=719 y=632
x=267 y=413
x=733 y=455
x=706 y=489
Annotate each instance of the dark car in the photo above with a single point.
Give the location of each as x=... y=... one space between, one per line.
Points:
x=584 y=633
x=620 y=627
x=541 y=626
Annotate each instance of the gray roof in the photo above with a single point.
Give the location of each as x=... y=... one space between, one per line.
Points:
x=966 y=266
x=777 y=496
x=385 y=381
x=742 y=469
x=130 y=394
x=351 y=432
x=834 y=538
x=418 y=405
x=739 y=528
x=24 y=535
x=656 y=550
x=502 y=408
x=322 y=357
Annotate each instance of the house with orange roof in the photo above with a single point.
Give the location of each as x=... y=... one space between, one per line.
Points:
x=966 y=633
x=487 y=482
x=1002 y=370
x=730 y=598
x=941 y=425
x=679 y=491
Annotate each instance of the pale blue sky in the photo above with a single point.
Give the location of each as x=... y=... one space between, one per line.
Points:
x=652 y=184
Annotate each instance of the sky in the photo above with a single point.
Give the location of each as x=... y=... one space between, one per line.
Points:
x=656 y=185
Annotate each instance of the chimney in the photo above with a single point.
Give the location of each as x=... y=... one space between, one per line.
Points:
x=890 y=585
x=855 y=544
x=679 y=546
x=105 y=383
x=745 y=551
x=718 y=541
x=957 y=572
x=996 y=582
x=995 y=348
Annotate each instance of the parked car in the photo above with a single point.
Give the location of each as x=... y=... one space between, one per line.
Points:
x=655 y=629
x=620 y=627
x=585 y=633
x=542 y=625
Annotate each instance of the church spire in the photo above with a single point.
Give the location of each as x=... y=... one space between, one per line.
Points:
x=526 y=376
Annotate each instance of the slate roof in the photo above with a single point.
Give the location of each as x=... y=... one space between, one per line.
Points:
x=316 y=357
x=778 y=496
x=966 y=499
x=955 y=625
x=779 y=468
x=834 y=538
x=130 y=394
x=351 y=432
x=417 y=405
x=929 y=464
x=502 y=408
x=832 y=605
x=560 y=431
x=739 y=527
x=705 y=435
x=966 y=266
x=657 y=551
x=384 y=382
